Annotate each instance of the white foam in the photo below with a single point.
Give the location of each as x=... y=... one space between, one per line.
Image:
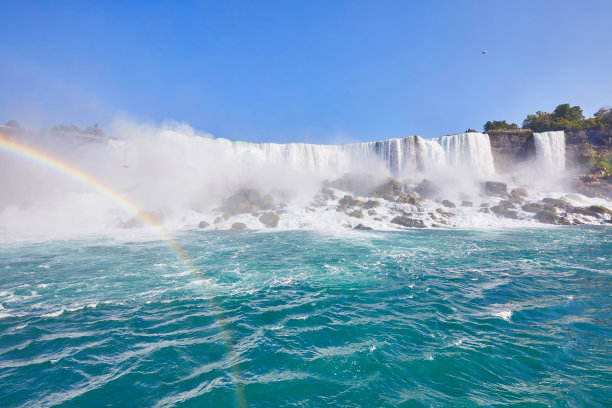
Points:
x=504 y=314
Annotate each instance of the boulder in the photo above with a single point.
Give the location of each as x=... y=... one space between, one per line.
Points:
x=466 y=203
x=362 y=227
x=218 y=220
x=551 y=217
x=519 y=192
x=349 y=201
x=269 y=219
x=495 y=188
x=404 y=221
x=203 y=224
x=371 y=212
x=371 y=204
x=599 y=209
x=237 y=226
x=505 y=212
x=583 y=211
x=532 y=207
x=388 y=190
x=328 y=193
x=556 y=202
x=427 y=189
x=448 y=204
x=356 y=214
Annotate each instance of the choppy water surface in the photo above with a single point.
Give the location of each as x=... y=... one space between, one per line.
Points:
x=413 y=318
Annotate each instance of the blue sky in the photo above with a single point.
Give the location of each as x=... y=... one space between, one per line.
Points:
x=313 y=71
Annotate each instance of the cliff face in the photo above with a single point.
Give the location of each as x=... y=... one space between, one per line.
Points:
x=583 y=150
x=510 y=148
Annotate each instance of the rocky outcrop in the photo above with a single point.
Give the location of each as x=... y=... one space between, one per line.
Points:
x=510 y=148
x=269 y=219
x=404 y=221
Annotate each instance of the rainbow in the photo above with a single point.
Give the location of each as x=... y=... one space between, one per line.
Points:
x=43 y=158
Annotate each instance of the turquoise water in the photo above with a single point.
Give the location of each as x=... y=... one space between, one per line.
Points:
x=305 y=319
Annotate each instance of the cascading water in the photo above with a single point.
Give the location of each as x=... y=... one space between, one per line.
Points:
x=550 y=150
x=401 y=157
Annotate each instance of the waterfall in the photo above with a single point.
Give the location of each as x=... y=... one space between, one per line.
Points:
x=550 y=150
x=402 y=157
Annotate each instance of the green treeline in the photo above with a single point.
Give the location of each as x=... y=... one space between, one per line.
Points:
x=564 y=117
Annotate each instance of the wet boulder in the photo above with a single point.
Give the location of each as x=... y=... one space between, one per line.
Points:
x=388 y=190
x=237 y=226
x=532 y=207
x=269 y=219
x=448 y=203
x=371 y=204
x=551 y=217
x=328 y=193
x=203 y=224
x=218 y=220
x=356 y=214
x=599 y=209
x=519 y=192
x=505 y=212
x=466 y=203
x=348 y=201
x=495 y=188
x=404 y=221
x=362 y=227
x=556 y=202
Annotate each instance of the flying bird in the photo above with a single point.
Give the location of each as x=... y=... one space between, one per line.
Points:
x=484 y=52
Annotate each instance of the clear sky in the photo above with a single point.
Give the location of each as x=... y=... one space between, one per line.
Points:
x=314 y=71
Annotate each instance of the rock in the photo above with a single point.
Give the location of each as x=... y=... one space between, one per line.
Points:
x=466 y=203
x=237 y=226
x=328 y=192
x=362 y=227
x=203 y=224
x=388 y=190
x=371 y=204
x=519 y=192
x=502 y=211
x=349 y=201
x=448 y=204
x=484 y=204
x=356 y=214
x=600 y=209
x=583 y=211
x=408 y=222
x=410 y=198
x=495 y=188
x=218 y=220
x=371 y=212
x=485 y=210
x=269 y=219
x=555 y=202
x=508 y=204
x=550 y=217
x=532 y=207
x=427 y=189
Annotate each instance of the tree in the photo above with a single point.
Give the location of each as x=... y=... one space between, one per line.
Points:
x=471 y=131
x=564 y=111
x=495 y=125
x=540 y=122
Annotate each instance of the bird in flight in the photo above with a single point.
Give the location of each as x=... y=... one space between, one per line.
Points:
x=484 y=52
